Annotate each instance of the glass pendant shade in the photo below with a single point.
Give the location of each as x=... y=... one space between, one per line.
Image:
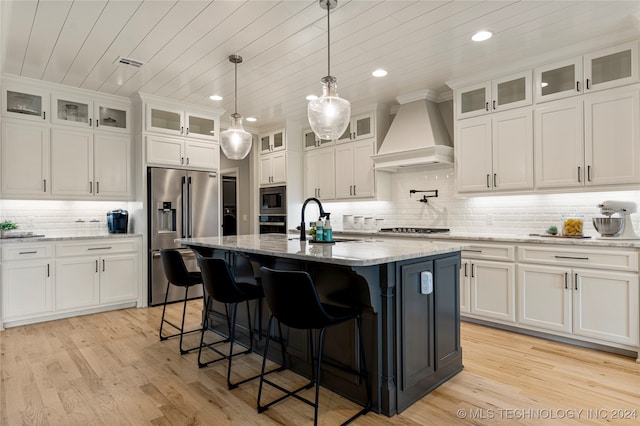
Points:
x=235 y=141
x=329 y=115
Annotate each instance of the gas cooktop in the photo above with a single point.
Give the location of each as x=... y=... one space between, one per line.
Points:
x=403 y=230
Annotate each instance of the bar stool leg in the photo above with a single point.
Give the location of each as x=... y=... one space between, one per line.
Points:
x=264 y=364
x=232 y=337
x=164 y=308
x=315 y=407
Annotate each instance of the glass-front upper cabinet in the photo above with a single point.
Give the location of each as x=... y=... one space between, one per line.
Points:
x=111 y=116
x=614 y=66
x=508 y=92
x=311 y=141
x=201 y=126
x=273 y=141
x=359 y=127
x=164 y=119
x=72 y=110
x=558 y=80
x=24 y=102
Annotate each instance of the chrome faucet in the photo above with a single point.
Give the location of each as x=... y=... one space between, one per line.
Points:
x=303 y=232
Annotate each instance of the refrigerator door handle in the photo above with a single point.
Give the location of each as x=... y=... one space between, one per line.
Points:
x=184 y=207
x=189 y=207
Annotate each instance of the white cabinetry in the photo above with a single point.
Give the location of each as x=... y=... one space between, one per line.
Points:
x=495 y=152
x=180 y=121
x=27 y=281
x=71 y=109
x=590 y=140
x=273 y=141
x=511 y=91
x=164 y=151
x=602 y=69
x=362 y=126
x=320 y=174
x=273 y=168
x=25 y=159
x=354 y=169
x=487 y=282
x=24 y=101
x=590 y=293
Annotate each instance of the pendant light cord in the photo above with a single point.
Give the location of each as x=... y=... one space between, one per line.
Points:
x=235 y=90
x=328 y=39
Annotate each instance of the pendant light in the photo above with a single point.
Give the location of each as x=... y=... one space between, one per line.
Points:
x=235 y=141
x=329 y=115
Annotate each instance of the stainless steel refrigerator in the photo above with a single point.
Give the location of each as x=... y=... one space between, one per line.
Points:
x=182 y=203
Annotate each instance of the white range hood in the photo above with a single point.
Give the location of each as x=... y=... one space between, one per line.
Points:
x=417 y=137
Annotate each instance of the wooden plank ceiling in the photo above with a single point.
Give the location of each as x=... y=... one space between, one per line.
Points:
x=184 y=46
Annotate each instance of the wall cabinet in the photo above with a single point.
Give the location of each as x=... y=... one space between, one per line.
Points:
x=82 y=111
x=355 y=175
x=508 y=92
x=24 y=101
x=273 y=169
x=164 y=151
x=362 y=126
x=311 y=141
x=320 y=174
x=273 y=141
x=90 y=165
x=561 y=291
x=25 y=159
x=495 y=152
x=27 y=281
x=591 y=140
x=178 y=121
x=602 y=69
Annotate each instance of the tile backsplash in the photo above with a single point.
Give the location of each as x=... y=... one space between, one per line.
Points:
x=499 y=214
x=59 y=217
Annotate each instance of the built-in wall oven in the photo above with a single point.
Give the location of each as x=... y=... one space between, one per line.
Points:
x=273 y=210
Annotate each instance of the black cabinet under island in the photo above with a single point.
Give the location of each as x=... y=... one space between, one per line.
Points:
x=409 y=293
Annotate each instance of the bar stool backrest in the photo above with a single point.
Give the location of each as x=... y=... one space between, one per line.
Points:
x=293 y=299
x=176 y=271
x=218 y=281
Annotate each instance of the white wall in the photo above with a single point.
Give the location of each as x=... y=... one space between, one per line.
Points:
x=507 y=214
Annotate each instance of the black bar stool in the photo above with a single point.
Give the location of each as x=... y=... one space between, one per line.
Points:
x=293 y=300
x=178 y=275
x=220 y=285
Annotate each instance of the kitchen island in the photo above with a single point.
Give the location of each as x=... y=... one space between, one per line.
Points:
x=411 y=329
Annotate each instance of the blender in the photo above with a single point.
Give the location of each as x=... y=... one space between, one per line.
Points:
x=615 y=227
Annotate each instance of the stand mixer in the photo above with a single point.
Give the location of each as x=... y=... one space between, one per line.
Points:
x=624 y=208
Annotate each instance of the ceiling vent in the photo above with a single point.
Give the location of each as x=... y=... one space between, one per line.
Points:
x=129 y=61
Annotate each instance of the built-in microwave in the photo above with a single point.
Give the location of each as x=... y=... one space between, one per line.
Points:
x=273 y=200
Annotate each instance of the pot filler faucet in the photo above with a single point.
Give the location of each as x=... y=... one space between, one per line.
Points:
x=303 y=232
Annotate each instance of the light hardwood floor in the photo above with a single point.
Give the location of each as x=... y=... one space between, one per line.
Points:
x=111 y=369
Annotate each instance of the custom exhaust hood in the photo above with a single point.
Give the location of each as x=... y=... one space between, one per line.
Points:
x=417 y=137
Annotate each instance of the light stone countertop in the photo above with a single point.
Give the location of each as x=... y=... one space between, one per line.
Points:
x=497 y=238
x=355 y=252
x=57 y=236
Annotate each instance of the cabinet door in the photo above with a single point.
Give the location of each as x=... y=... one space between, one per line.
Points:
x=27 y=289
x=512 y=91
x=113 y=117
x=473 y=100
x=363 y=172
x=363 y=126
x=118 y=278
x=24 y=102
x=558 y=80
x=347 y=135
x=465 y=276
x=279 y=173
x=25 y=159
x=311 y=173
x=72 y=110
x=344 y=171
x=202 y=155
x=77 y=283
x=201 y=126
x=266 y=169
x=326 y=174
x=473 y=155
x=311 y=141
x=265 y=144
x=614 y=66
x=164 y=119
x=559 y=144
x=606 y=305
x=165 y=151
x=612 y=137
x=513 y=150
x=112 y=165
x=493 y=290
x=72 y=162
x=278 y=140
x=544 y=297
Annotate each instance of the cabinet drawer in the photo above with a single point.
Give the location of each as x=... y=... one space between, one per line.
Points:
x=490 y=252
x=586 y=258
x=96 y=247
x=24 y=252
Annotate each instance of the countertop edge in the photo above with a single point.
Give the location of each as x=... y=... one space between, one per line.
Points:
x=53 y=238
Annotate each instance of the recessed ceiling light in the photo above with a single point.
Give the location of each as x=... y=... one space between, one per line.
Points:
x=252 y=119
x=311 y=97
x=379 y=73
x=215 y=97
x=482 y=35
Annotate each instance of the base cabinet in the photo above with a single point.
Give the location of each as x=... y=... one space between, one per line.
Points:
x=27 y=289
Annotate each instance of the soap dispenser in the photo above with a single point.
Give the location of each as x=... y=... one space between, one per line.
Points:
x=328 y=232
x=319 y=230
